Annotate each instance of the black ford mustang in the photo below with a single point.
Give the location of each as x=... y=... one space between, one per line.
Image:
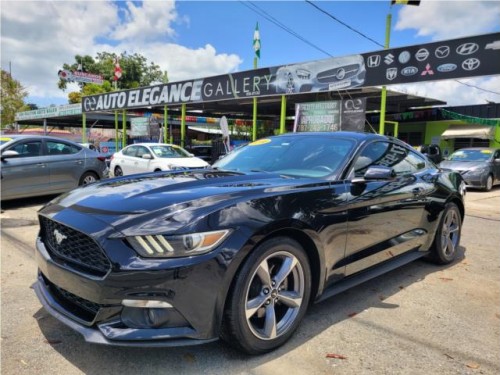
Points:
x=239 y=251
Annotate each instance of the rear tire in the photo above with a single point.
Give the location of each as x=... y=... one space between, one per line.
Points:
x=118 y=171
x=489 y=183
x=269 y=297
x=445 y=247
x=88 y=178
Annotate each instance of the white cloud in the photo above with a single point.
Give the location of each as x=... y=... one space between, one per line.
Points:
x=449 y=19
x=38 y=37
x=456 y=92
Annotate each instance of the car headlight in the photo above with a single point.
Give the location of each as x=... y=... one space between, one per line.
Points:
x=164 y=246
x=303 y=73
x=477 y=172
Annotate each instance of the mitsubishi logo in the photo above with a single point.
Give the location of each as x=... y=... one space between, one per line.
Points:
x=467 y=48
x=373 y=61
x=427 y=70
x=59 y=236
x=471 y=64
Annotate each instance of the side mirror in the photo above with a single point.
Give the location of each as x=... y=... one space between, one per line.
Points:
x=9 y=154
x=376 y=173
x=147 y=156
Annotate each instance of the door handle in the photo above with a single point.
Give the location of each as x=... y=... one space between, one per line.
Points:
x=43 y=165
x=79 y=162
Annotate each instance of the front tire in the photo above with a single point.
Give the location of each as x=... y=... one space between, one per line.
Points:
x=269 y=297
x=489 y=183
x=445 y=247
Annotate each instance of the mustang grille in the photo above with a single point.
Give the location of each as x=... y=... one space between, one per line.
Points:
x=67 y=245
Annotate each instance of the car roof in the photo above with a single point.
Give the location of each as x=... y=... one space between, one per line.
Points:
x=152 y=144
x=479 y=148
x=35 y=136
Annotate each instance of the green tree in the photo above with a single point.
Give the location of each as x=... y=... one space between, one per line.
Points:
x=136 y=72
x=11 y=99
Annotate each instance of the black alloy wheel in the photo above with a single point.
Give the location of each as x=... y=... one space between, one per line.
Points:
x=445 y=247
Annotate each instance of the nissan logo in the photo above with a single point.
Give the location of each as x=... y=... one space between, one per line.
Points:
x=422 y=54
x=467 y=48
x=471 y=64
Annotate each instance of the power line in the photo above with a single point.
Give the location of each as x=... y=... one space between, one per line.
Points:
x=273 y=20
x=476 y=87
x=344 y=24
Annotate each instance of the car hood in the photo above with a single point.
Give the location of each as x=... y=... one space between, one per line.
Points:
x=191 y=162
x=170 y=199
x=462 y=165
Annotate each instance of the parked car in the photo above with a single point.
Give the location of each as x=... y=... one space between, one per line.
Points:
x=433 y=152
x=479 y=166
x=35 y=165
x=203 y=152
x=153 y=157
x=239 y=251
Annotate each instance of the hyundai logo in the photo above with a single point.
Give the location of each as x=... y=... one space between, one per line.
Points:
x=409 y=71
x=471 y=64
x=467 y=48
x=444 y=68
x=442 y=52
x=59 y=236
x=422 y=54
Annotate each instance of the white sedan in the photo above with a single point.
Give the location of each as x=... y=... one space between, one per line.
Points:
x=153 y=157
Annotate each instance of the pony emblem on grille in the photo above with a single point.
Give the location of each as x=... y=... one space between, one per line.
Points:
x=59 y=236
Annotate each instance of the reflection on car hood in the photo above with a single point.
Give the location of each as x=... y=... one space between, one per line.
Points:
x=148 y=196
x=462 y=165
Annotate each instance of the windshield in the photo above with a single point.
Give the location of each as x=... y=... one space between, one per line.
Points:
x=471 y=155
x=164 y=151
x=297 y=156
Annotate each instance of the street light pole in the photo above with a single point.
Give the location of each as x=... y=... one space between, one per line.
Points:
x=383 y=101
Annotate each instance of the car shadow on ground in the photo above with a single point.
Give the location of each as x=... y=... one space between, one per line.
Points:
x=219 y=357
x=26 y=202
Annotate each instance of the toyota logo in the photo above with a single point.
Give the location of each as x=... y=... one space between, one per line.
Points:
x=471 y=64
x=467 y=48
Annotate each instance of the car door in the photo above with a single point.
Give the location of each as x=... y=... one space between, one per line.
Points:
x=26 y=174
x=126 y=160
x=386 y=218
x=142 y=165
x=66 y=164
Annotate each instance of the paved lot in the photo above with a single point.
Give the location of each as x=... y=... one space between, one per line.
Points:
x=420 y=319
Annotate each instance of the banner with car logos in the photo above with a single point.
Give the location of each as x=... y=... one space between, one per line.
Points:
x=330 y=116
x=458 y=58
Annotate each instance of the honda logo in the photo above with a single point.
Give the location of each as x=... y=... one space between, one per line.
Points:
x=467 y=48
x=373 y=61
x=471 y=64
x=442 y=52
x=391 y=73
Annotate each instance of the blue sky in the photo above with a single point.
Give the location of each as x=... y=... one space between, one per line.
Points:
x=194 y=39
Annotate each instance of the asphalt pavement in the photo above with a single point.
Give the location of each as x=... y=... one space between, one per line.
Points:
x=419 y=319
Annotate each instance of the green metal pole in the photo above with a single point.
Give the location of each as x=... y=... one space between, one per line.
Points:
x=116 y=131
x=165 y=124
x=384 y=89
x=183 y=124
x=84 y=127
x=254 y=122
x=283 y=114
x=124 y=128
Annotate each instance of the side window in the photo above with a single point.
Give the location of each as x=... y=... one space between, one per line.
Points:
x=61 y=148
x=401 y=159
x=28 y=149
x=141 y=150
x=130 y=151
x=497 y=154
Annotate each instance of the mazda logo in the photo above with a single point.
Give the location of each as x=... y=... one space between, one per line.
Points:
x=471 y=64
x=59 y=236
x=467 y=48
x=442 y=52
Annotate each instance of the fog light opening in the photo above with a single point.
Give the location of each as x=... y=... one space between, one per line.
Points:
x=147 y=304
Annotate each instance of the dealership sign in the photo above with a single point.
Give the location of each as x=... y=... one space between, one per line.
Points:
x=333 y=115
x=457 y=58
x=78 y=76
x=63 y=110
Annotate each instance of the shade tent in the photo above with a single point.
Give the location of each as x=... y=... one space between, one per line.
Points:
x=469 y=131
